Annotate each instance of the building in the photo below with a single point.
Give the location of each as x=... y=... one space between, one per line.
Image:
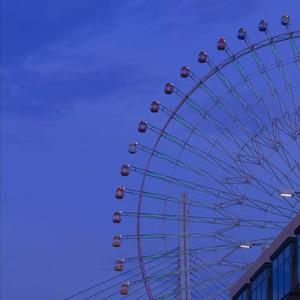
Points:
x=276 y=273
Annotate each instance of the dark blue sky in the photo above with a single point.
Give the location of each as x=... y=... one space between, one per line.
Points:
x=77 y=76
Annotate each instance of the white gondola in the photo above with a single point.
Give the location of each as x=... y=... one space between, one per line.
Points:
x=117 y=217
x=132 y=147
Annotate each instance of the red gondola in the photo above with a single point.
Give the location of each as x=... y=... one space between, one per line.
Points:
x=221 y=45
x=124 y=170
x=124 y=290
x=120 y=192
x=142 y=127
x=119 y=265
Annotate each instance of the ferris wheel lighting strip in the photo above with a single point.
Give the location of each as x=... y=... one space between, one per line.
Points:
x=288 y=193
x=245 y=246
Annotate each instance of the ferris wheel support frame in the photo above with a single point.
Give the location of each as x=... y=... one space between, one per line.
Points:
x=184 y=257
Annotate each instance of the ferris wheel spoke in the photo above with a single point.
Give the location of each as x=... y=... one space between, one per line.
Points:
x=176 y=200
x=157 y=276
x=275 y=171
x=113 y=282
x=243 y=179
x=164 y=236
x=292 y=129
x=194 y=129
x=176 y=252
x=268 y=80
x=192 y=185
x=283 y=175
x=137 y=282
x=172 y=199
x=219 y=235
x=202 y=266
x=219 y=293
x=295 y=50
x=288 y=158
x=260 y=100
x=281 y=67
x=165 y=254
x=209 y=268
x=178 y=162
x=185 y=183
x=221 y=127
x=198 y=284
x=225 y=166
x=210 y=286
x=277 y=210
x=237 y=96
x=222 y=263
x=212 y=220
x=257 y=141
x=205 y=114
x=167 y=285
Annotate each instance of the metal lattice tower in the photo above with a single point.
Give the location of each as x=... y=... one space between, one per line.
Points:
x=184 y=250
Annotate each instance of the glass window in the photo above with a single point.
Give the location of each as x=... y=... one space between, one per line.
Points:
x=275 y=279
x=282 y=273
x=287 y=270
x=298 y=257
x=245 y=295
x=260 y=285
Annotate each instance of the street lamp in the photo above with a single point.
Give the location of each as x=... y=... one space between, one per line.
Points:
x=288 y=193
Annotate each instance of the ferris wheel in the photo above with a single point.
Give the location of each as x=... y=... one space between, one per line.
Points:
x=205 y=195
x=209 y=201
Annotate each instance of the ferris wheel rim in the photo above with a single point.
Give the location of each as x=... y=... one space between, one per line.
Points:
x=289 y=35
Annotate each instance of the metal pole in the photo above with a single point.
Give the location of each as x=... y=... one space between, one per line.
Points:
x=184 y=256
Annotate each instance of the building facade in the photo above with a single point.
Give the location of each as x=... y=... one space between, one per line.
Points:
x=276 y=273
